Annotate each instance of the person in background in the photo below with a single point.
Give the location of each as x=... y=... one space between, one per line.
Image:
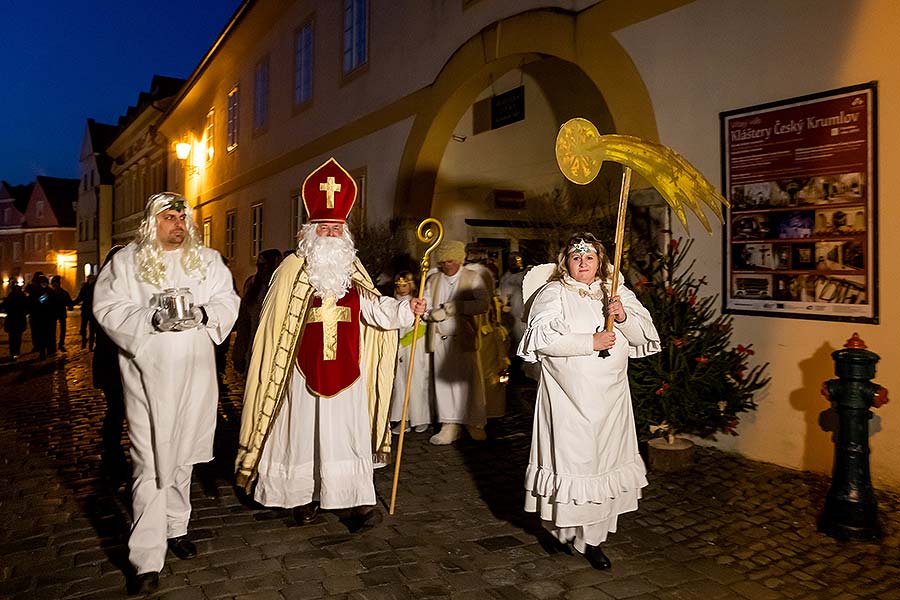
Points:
x=167 y=358
x=85 y=298
x=107 y=377
x=457 y=295
x=15 y=305
x=420 y=397
x=64 y=304
x=43 y=313
x=254 y=292
x=584 y=468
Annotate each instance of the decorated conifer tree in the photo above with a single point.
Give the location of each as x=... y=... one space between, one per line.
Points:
x=699 y=383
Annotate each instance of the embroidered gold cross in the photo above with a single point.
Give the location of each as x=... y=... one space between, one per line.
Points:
x=329 y=187
x=329 y=315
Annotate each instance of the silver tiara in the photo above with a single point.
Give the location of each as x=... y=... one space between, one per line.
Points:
x=581 y=247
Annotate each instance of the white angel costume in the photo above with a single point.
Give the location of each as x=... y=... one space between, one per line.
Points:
x=584 y=469
x=420 y=395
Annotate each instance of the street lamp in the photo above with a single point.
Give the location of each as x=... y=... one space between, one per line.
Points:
x=183 y=152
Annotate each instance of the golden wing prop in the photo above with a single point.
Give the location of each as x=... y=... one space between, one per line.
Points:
x=581 y=150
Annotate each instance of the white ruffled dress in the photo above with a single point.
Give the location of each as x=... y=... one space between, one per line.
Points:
x=584 y=469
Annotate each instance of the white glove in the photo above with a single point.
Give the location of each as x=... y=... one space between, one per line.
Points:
x=450 y=307
x=437 y=315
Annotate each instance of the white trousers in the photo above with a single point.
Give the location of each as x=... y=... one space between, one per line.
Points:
x=458 y=383
x=158 y=513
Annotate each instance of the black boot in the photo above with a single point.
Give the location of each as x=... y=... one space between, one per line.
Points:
x=182 y=547
x=596 y=557
x=306 y=514
x=363 y=518
x=145 y=583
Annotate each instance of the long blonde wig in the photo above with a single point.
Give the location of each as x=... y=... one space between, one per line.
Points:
x=149 y=258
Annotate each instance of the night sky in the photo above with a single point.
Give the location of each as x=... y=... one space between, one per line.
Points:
x=63 y=61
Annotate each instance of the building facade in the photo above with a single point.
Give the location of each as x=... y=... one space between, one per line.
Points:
x=13 y=203
x=95 y=198
x=451 y=109
x=49 y=230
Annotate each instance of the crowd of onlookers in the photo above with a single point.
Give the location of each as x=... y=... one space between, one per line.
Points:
x=42 y=305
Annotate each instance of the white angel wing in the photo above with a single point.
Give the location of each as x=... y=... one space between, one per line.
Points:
x=535 y=279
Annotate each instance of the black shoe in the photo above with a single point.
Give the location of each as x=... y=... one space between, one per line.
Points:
x=182 y=547
x=596 y=557
x=145 y=583
x=363 y=518
x=306 y=514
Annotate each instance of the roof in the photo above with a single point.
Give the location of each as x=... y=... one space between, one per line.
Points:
x=19 y=194
x=102 y=135
x=62 y=194
x=161 y=87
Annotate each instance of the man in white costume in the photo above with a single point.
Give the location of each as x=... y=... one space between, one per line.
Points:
x=168 y=371
x=584 y=469
x=457 y=295
x=319 y=384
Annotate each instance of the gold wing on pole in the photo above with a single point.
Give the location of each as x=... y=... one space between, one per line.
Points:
x=581 y=151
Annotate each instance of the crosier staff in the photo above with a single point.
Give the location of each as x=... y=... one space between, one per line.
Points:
x=428 y=230
x=581 y=150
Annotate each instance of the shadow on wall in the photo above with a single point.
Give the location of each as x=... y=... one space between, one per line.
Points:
x=820 y=417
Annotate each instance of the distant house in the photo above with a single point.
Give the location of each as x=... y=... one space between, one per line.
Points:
x=95 y=198
x=13 y=201
x=49 y=230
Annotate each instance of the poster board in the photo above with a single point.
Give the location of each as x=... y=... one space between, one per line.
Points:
x=800 y=235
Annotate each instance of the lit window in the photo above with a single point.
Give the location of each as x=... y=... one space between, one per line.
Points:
x=230 y=233
x=207 y=232
x=232 y=119
x=256 y=230
x=355 y=34
x=261 y=95
x=303 y=64
x=209 y=134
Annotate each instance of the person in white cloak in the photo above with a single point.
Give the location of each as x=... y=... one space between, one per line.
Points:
x=168 y=371
x=584 y=468
x=420 y=396
x=316 y=402
x=457 y=294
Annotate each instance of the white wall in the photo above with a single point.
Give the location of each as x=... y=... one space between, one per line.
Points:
x=716 y=55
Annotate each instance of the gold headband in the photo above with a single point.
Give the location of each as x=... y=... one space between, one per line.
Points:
x=402 y=280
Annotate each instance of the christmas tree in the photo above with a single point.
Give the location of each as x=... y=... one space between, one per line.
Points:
x=699 y=383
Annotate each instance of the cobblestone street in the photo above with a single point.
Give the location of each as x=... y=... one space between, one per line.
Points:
x=725 y=528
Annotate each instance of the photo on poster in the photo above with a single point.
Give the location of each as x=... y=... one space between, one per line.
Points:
x=751 y=195
x=839 y=256
x=840 y=221
x=794 y=225
x=836 y=189
x=782 y=256
x=748 y=286
x=841 y=289
x=750 y=257
x=803 y=256
x=750 y=227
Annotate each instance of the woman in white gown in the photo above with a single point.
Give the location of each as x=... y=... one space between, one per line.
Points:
x=420 y=396
x=584 y=469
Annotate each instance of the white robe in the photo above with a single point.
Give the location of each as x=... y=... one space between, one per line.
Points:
x=458 y=378
x=420 y=396
x=321 y=448
x=584 y=469
x=169 y=381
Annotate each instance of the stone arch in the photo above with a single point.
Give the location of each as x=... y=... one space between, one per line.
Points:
x=546 y=44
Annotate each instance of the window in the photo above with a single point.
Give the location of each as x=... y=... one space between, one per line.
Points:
x=358 y=224
x=17 y=250
x=303 y=64
x=209 y=131
x=298 y=214
x=230 y=233
x=48 y=240
x=355 y=34
x=232 y=125
x=256 y=230
x=261 y=95
x=39 y=208
x=207 y=232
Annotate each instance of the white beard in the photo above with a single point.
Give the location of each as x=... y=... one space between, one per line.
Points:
x=329 y=262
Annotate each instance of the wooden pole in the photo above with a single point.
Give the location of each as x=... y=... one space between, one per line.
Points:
x=620 y=237
x=425 y=232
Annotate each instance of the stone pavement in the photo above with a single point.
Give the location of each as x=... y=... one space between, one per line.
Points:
x=726 y=528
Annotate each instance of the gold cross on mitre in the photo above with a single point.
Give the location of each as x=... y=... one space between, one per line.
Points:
x=329 y=187
x=329 y=315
